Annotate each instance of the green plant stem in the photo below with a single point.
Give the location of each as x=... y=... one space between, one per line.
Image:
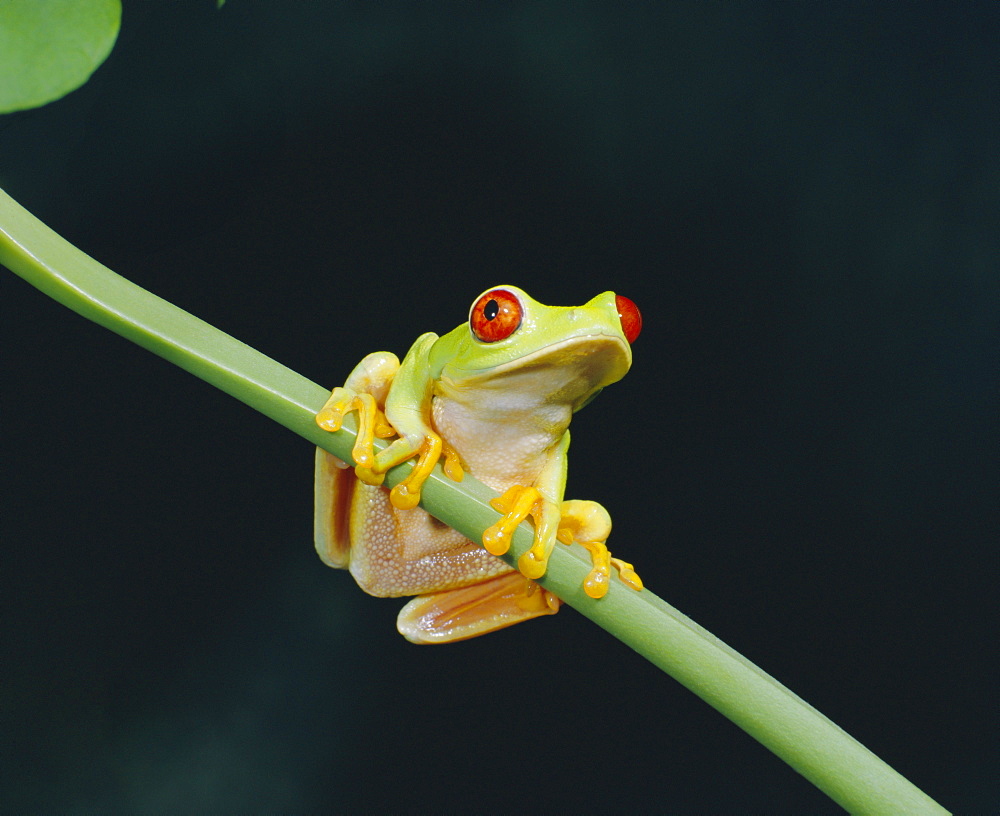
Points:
x=814 y=746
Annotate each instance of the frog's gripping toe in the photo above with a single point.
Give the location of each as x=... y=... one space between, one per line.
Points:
x=371 y=423
x=518 y=503
x=599 y=578
x=458 y=614
x=406 y=495
x=331 y=415
x=627 y=573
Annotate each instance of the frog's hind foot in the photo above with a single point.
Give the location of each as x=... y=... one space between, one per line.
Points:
x=597 y=580
x=589 y=524
x=458 y=614
x=365 y=392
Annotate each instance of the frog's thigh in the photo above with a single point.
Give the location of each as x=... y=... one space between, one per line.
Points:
x=408 y=552
x=457 y=614
x=374 y=375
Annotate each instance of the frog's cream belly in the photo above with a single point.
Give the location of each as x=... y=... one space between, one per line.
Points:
x=500 y=450
x=408 y=552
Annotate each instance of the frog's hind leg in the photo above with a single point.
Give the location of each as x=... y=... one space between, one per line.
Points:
x=589 y=524
x=457 y=614
x=334 y=486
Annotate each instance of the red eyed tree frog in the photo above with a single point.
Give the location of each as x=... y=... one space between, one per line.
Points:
x=494 y=397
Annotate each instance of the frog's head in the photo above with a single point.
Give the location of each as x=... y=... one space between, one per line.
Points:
x=567 y=353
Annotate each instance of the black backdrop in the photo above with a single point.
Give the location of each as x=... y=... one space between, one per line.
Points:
x=802 y=199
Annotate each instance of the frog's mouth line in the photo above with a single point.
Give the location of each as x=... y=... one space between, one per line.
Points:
x=538 y=356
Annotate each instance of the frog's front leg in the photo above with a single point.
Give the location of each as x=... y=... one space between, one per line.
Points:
x=408 y=409
x=518 y=503
x=541 y=501
x=392 y=399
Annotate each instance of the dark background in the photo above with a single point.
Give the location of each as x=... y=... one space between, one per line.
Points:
x=803 y=201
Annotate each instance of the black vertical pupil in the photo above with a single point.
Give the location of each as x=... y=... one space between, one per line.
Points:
x=491 y=310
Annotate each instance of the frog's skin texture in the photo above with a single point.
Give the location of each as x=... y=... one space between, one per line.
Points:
x=494 y=398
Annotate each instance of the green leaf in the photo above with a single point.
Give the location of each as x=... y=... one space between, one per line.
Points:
x=51 y=47
x=795 y=731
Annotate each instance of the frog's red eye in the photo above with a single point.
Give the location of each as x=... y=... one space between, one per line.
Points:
x=495 y=316
x=628 y=314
